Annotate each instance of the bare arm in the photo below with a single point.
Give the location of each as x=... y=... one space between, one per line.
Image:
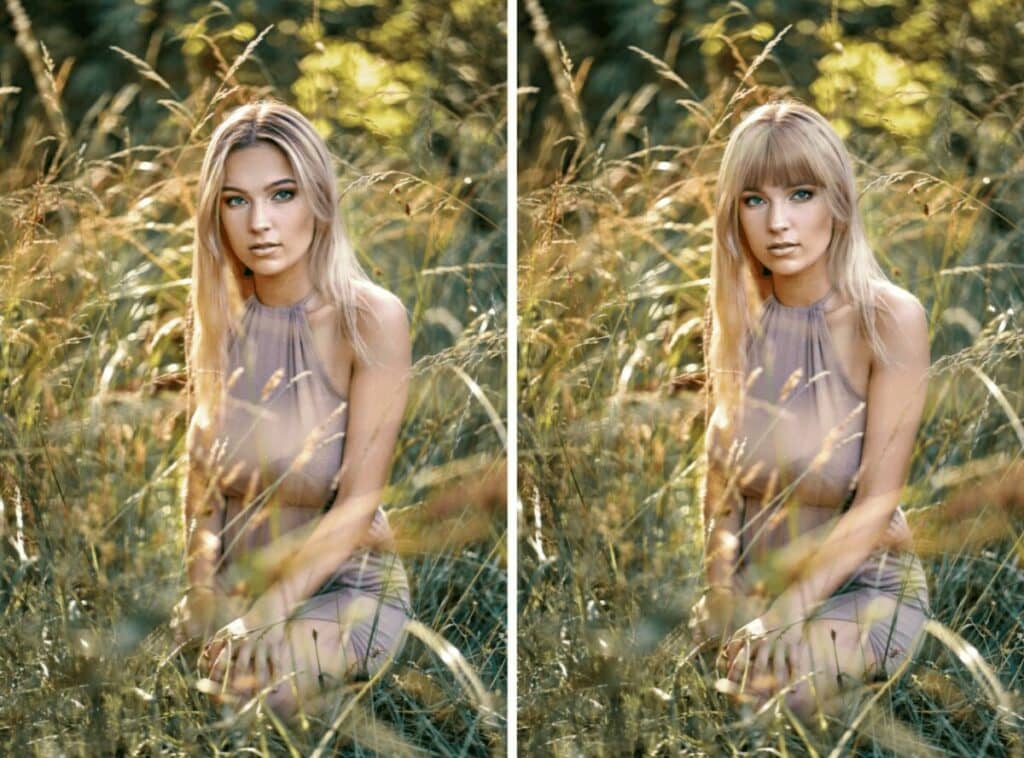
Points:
x=721 y=528
x=203 y=507
x=720 y=502
x=716 y=612
x=895 y=402
x=197 y=613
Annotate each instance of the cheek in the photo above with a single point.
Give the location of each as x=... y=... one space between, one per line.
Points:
x=748 y=226
x=301 y=222
x=822 y=221
x=231 y=227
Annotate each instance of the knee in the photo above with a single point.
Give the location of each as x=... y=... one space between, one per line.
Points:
x=802 y=702
x=283 y=700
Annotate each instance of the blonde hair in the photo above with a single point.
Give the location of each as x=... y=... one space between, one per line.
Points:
x=782 y=143
x=217 y=274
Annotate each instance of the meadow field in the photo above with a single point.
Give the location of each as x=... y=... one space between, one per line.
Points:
x=101 y=134
x=622 y=121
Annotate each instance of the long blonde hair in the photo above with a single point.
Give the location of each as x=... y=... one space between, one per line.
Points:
x=782 y=143
x=217 y=274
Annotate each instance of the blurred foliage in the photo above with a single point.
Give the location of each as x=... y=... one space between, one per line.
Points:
x=624 y=110
x=375 y=66
x=880 y=66
x=106 y=108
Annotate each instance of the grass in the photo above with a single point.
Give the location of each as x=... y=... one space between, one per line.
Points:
x=614 y=255
x=95 y=246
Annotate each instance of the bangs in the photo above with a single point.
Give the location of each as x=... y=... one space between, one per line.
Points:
x=781 y=157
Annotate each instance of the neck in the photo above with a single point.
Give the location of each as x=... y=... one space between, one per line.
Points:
x=282 y=289
x=800 y=291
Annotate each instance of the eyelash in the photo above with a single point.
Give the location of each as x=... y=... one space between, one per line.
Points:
x=746 y=200
x=229 y=200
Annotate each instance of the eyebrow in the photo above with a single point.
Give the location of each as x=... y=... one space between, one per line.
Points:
x=278 y=182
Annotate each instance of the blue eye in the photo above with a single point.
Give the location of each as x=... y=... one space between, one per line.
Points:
x=803 y=194
x=230 y=201
x=752 y=201
x=284 y=195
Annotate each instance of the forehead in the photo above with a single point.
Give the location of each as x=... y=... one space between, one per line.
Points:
x=256 y=165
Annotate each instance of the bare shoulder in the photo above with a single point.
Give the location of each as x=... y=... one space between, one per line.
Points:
x=902 y=322
x=898 y=301
x=383 y=323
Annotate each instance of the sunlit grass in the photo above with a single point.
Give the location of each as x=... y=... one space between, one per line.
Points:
x=614 y=258
x=94 y=268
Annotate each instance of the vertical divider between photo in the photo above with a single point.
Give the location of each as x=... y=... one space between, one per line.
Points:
x=512 y=397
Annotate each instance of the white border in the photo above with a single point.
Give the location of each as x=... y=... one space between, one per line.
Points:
x=512 y=396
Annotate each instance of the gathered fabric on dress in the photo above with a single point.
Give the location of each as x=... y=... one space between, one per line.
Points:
x=283 y=433
x=798 y=449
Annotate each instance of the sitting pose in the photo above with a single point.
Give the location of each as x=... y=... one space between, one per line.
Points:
x=299 y=375
x=817 y=371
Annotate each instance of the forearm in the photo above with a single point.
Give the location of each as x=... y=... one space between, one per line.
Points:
x=721 y=526
x=846 y=546
x=203 y=516
x=332 y=541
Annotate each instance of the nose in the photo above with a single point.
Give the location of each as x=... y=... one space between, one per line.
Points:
x=777 y=219
x=258 y=217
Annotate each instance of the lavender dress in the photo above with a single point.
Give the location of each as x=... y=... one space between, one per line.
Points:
x=284 y=428
x=801 y=438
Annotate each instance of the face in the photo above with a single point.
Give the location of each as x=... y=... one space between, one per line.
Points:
x=787 y=228
x=267 y=221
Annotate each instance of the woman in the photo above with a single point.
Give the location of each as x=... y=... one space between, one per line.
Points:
x=817 y=374
x=299 y=371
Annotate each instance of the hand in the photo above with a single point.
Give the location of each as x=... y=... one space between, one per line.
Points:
x=767 y=653
x=721 y=610
x=242 y=653
x=195 y=615
x=712 y=615
x=379 y=536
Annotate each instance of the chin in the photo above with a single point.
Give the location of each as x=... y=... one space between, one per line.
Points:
x=787 y=267
x=268 y=267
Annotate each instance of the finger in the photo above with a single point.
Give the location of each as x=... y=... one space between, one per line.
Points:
x=730 y=650
x=209 y=655
x=738 y=662
x=762 y=664
x=261 y=664
x=215 y=671
x=800 y=661
x=225 y=661
x=780 y=663
x=793 y=660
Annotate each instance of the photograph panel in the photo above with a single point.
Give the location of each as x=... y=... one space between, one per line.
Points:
x=253 y=381
x=768 y=377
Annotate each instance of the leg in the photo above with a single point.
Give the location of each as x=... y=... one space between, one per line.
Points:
x=835 y=659
x=336 y=636
x=827 y=658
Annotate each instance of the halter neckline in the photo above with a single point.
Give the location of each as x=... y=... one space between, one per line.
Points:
x=817 y=305
x=298 y=305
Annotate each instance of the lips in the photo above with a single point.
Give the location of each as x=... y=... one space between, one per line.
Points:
x=781 y=248
x=263 y=247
